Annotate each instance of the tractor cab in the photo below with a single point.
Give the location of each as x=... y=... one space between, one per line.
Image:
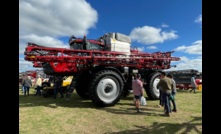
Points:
x=85 y=44
x=108 y=42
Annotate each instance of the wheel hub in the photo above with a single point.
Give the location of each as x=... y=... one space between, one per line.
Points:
x=107 y=90
x=155 y=89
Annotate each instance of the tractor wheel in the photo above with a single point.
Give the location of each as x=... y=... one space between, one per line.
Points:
x=45 y=85
x=82 y=83
x=47 y=92
x=151 y=87
x=106 y=88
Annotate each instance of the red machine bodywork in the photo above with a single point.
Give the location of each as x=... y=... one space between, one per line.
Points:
x=63 y=60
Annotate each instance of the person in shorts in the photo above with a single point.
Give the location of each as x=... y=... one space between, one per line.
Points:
x=137 y=87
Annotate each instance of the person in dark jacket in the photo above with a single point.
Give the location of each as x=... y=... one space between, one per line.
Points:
x=57 y=86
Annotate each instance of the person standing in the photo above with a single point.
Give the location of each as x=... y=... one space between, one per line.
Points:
x=57 y=86
x=173 y=92
x=193 y=84
x=22 y=81
x=166 y=84
x=161 y=104
x=137 y=87
x=27 y=84
x=38 y=85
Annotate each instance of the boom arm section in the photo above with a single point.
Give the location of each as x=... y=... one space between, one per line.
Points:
x=64 y=60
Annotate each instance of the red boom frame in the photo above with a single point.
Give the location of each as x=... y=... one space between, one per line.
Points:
x=64 y=60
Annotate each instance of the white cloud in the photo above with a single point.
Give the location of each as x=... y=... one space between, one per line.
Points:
x=186 y=63
x=195 y=48
x=169 y=35
x=164 y=25
x=44 y=21
x=56 y=17
x=152 y=47
x=198 y=19
x=151 y=35
x=140 y=49
x=184 y=59
x=25 y=65
x=44 y=41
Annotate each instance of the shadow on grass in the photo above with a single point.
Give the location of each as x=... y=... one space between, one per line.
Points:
x=126 y=106
x=130 y=97
x=164 y=128
x=75 y=101
x=146 y=110
x=132 y=111
x=123 y=107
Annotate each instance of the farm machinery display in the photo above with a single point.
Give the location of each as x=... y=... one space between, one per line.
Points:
x=183 y=78
x=102 y=68
x=33 y=75
x=48 y=86
x=47 y=81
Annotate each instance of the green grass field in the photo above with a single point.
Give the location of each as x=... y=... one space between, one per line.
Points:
x=38 y=115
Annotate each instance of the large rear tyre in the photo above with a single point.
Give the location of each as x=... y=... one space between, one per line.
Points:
x=82 y=85
x=106 y=88
x=151 y=87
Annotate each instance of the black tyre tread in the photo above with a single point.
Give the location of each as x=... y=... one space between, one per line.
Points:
x=92 y=88
x=45 y=93
x=82 y=84
x=45 y=84
x=148 y=87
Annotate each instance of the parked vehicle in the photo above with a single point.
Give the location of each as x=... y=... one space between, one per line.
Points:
x=183 y=78
x=33 y=75
x=48 y=86
x=103 y=68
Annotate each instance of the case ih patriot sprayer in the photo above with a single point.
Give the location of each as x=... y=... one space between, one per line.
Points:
x=103 y=67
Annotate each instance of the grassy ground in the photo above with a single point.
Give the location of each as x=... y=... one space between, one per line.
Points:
x=78 y=116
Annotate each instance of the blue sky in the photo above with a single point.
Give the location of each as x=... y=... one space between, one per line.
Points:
x=153 y=25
